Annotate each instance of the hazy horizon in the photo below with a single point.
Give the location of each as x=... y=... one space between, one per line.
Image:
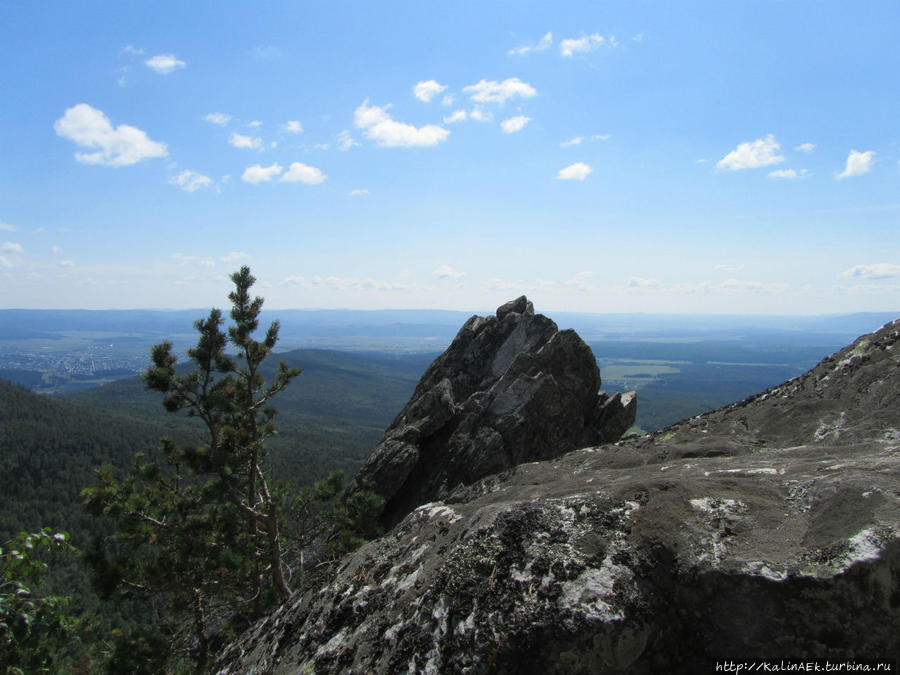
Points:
x=698 y=158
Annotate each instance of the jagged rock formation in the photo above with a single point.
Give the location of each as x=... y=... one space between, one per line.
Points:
x=769 y=528
x=511 y=388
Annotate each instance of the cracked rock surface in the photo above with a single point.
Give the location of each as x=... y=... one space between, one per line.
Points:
x=769 y=528
x=511 y=388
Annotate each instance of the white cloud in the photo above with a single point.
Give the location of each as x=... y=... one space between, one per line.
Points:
x=255 y=124
x=448 y=100
x=293 y=126
x=447 y=272
x=190 y=181
x=456 y=116
x=480 y=115
x=542 y=45
x=324 y=146
x=67 y=263
x=577 y=171
x=427 y=90
x=357 y=193
x=644 y=283
x=585 y=44
x=601 y=137
x=752 y=155
x=233 y=256
x=580 y=281
x=345 y=141
x=876 y=271
x=131 y=49
x=164 y=63
x=11 y=247
x=742 y=286
x=572 y=141
x=388 y=133
x=499 y=92
x=514 y=124
x=728 y=268
x=122 y=146
x=342 y=283
x=806 y=147
x=303 y=173
x=858 y=163
x=240 y=141
x=787 y=173
x=8 y=227
x=218 y=118
x=56 y=250
x=260 y=174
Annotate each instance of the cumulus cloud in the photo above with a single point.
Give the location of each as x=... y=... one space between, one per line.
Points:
x=357 y=193
x=190 y=181
x=303 y=173
x=572 y=141
x=378 y=126
x=787 y=173
x=233 y=256
x=164 y=63
x=876 y=271
x=499 y=92
x=346 y=141
x=479 y=114
x=858 y=163
x=456 y=116
x=241 y=141
x=427 y=90
x=260 y=174
x=11 y=247
x=447 y=272
x=752 y=155
x=514 y=124
x=120 y=146
x=8 y=227
x=577 y=171
x=542 y=45
x=293 y=126
x=218 y=118
x=585 y=44
x=645 y=283
x=806 y=147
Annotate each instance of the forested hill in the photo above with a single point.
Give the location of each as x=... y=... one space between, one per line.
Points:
x=330 y=418
x=48 y=452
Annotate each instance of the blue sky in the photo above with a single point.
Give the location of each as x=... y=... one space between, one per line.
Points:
x=720 y=157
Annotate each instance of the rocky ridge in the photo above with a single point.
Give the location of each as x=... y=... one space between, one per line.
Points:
x=769 y=528
x=511 y=388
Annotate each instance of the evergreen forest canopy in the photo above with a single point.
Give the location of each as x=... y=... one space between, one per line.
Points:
x=203 y=539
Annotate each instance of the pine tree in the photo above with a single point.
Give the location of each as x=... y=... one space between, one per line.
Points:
x=205 y=524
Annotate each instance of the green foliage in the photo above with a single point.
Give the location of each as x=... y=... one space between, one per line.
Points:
x=329 y=523
x=33 y=624
x=202 y=526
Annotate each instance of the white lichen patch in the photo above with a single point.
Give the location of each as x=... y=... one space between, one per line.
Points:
x=863 y=546
x=720 y=512
x=592 y=592
x=760 y=569
x=830 y=431
x=438 y=510
x=762 y=471
x=407 y=582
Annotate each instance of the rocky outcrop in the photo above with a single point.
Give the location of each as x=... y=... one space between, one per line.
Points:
x=511 y=388
x=770 y=528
